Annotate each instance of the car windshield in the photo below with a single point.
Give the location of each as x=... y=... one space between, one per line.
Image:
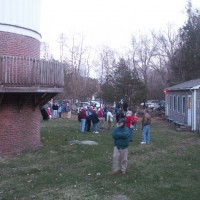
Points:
x=155 y=101
x=84 y=104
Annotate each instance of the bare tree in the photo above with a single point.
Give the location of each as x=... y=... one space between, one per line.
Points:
x=106 y=57
x=76 y=56
x=61 y=41
x=104 y=65
x=167 y=42
x=143 y=51
x=45 y=51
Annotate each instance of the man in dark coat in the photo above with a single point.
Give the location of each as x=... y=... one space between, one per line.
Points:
x=121 y=136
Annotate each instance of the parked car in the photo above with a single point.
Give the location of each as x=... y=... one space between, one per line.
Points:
x=153 y=104
x=83 y=104
x=95 y=104
x=161 y=106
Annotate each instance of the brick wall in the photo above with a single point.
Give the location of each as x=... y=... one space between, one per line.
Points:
x=19 y=45
x=19 y=129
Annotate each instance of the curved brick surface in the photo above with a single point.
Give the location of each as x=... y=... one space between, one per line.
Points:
x=12 y=44
x=19 y=129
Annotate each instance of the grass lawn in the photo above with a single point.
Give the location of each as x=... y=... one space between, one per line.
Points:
x=167 y=169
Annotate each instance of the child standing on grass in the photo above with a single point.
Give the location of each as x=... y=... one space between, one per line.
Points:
x=129 y=123
x=121 y=136
x=49 y=112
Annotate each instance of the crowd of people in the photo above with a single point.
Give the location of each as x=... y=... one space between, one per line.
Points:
x=118 y=119
x=56 y=110
x=123 y=123
x=105 y=117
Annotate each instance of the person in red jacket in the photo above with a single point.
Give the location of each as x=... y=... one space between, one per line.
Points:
x=101 y=118
x=49 y=112
x=82 y=119
x=129 y=123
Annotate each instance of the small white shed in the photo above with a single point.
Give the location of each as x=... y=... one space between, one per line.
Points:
x=183 y=104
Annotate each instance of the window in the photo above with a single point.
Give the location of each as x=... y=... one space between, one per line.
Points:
x=174 y=103
x=183 y=105
x=198 y=104
x=170 y=102
x=189 y=102
x=178 y=104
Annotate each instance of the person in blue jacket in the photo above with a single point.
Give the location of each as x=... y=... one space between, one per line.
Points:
x=121 y=136
x=95 y=121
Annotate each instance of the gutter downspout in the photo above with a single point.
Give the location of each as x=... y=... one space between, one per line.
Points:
x=194 y=128
x=194 y=110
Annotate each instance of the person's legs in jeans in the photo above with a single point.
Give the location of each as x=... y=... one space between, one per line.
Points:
x=144 y=130
x=148 y=136
x=88 y=123
x=94 y=127
x=131 y=134
x=54 y=114
x=82 y=128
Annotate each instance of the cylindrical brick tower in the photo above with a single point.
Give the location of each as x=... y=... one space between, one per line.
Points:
x=19 y=28
x=25 y=81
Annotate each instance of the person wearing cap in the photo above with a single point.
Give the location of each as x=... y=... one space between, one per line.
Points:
x=121 y=136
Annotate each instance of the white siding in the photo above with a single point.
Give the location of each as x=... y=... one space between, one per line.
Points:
x=22 y=13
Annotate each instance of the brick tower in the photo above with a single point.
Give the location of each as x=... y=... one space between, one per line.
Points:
x=26 y=82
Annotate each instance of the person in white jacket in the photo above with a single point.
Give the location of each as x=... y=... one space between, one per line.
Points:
x=109 y=118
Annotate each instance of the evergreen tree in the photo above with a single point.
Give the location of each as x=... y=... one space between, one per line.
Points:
x=127 y=84
x=186 y=61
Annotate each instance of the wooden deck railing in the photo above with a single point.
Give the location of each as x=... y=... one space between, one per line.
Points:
x=28 y=72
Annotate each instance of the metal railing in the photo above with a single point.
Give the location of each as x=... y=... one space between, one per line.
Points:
x=29 y=72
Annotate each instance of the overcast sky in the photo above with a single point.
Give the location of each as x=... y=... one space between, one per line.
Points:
x=108 y=22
